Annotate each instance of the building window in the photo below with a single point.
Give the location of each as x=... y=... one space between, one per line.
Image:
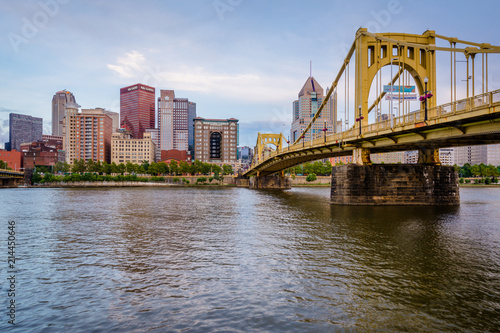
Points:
x=215 y=145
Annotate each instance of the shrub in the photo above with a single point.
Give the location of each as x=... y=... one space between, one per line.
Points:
x=461 y=181
x=487 y=181
x=185 y=181
x=201 y=180
x=311 y=177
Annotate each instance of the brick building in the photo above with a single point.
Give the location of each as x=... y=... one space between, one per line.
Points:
x=13 y=158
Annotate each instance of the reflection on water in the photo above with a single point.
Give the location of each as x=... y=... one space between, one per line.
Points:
x=233 y=259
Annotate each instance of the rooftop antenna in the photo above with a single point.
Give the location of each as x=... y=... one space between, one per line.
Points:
x=310 y=74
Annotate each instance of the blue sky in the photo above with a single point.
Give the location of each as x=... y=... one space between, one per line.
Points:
x=245 y=59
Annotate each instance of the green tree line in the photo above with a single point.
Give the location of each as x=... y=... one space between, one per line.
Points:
x=318 y=168
x=173 y=168
x=83 y=170
x=478 y=170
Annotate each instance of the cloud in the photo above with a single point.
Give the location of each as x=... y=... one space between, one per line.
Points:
x=250 y=86
x=4 y=132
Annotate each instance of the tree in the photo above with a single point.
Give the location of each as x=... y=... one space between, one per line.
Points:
x=121 y=168
x=36 y=178
x=3 y=165
x=475 y=170
x=174 y=167
x=153 y=169
x=145 y=165
x=79 y=166
x=227 y=169
x=91 y=166
x=162 y=168
x=328 y=168
x=61 y=167
x=184 y=167
x=106 y=168
x=206 y=168
x=114 y=168
x=216 y=169
x=466 y=170
x=197 y=167
x=130 y=167
x=140 y=169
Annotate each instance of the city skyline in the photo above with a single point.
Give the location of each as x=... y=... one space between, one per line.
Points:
x=233 y=58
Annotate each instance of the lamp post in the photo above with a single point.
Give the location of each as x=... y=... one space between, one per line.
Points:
x=392 y=91
x=359 y=119
x=324 y=130
x=425 y=98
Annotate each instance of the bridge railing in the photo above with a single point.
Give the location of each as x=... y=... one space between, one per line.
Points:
x=461 y=106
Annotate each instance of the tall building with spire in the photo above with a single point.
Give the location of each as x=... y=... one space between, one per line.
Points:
x=137 y=109
x=60 y=99
x=305 y=107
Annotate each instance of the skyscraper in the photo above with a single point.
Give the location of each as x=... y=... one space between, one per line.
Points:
x=173 y=120
x=137 y=109
x=23 y=129
x=60 y=99
x=305 y=107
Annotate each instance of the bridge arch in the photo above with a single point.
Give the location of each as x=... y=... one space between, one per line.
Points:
x=267 y=139
x=409 y=52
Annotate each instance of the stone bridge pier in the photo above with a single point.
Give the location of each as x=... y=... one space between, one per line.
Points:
x=425 y=183
x=275 y=181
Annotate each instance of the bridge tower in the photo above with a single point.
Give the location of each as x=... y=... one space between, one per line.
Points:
x=279 y=181
x=407 y=51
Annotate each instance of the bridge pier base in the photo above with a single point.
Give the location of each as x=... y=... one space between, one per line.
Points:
x=394 y=184
x=270 y=182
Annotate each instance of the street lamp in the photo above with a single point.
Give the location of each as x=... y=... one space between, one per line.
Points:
x=392 y=91
x=359 y=119
x=324 y=130
x=425 y=98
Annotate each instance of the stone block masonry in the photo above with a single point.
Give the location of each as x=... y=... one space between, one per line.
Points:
x=270 y=182
x=394 y=184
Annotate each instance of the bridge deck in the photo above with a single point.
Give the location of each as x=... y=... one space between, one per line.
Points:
x=471 y=121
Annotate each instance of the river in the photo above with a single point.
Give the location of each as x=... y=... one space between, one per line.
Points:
x=237 y=260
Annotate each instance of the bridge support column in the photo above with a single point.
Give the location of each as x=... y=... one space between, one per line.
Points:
x=428 y=156
x=276 y=181
x=394 y=184
x=361 y=156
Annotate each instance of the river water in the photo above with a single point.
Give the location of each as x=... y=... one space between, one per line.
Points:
x=239 y=260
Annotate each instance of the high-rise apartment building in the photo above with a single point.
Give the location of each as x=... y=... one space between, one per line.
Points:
x=60 y=99
x=137 y=109
x=115 y=117
x=23 y=129
x=87 y=134
x=305 y=107
x=173 y=120
x=126 y=149
x=216 y=140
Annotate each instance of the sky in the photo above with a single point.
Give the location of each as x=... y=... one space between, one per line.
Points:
x=245 y=59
